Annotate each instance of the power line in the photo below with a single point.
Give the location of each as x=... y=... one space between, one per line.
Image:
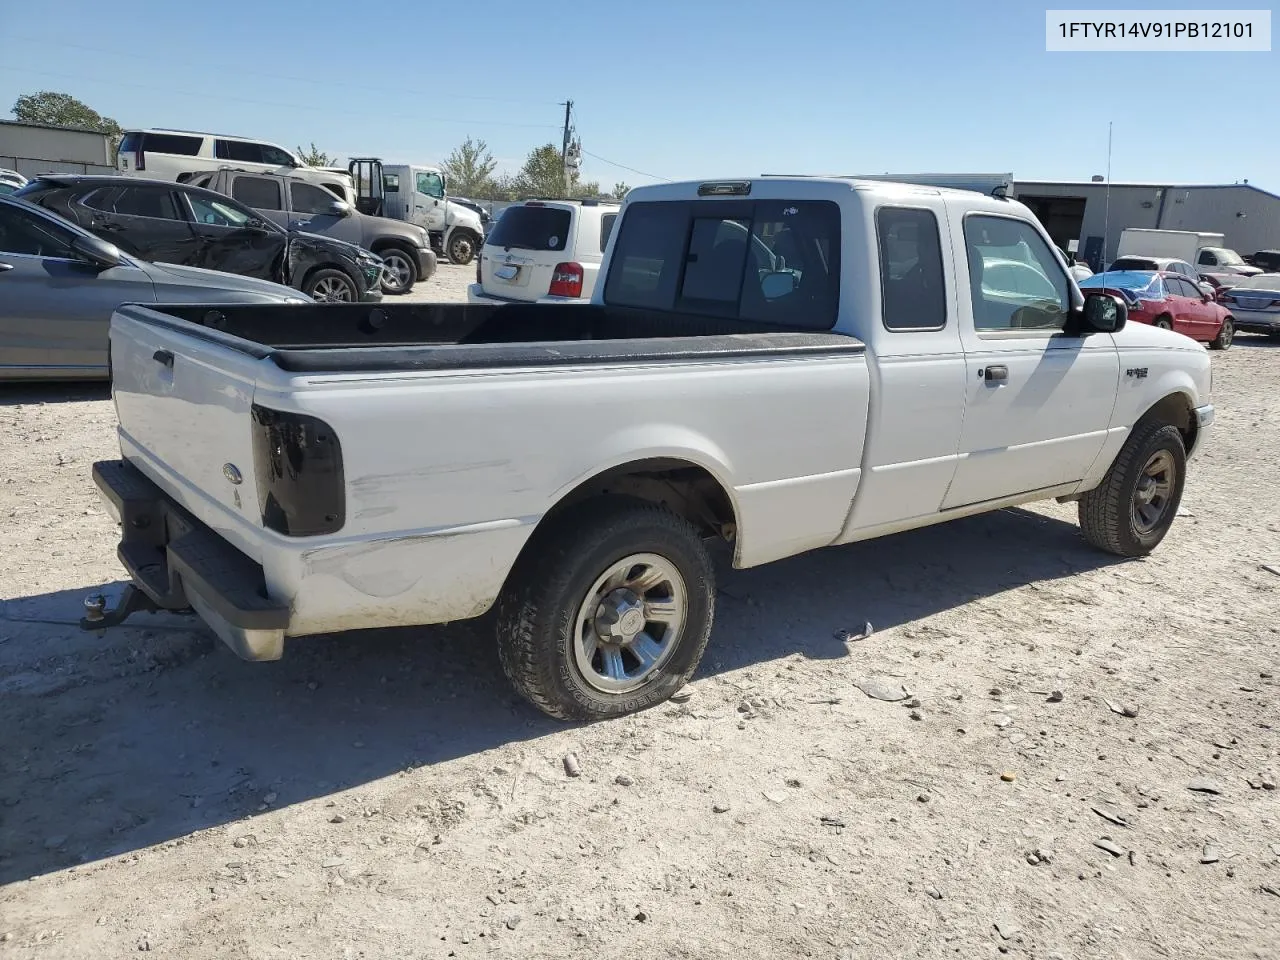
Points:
x=117 y=54
x=623 y=166
x=274 y=103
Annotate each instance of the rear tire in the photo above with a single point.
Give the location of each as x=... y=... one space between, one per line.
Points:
x=400 y=273
x=569 y=614
x=331 y=286
x=1130 y=512
x=1223 y=340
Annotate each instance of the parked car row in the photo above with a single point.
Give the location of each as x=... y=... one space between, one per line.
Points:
x=182 y=224
x=60 y=283
x=1172 y=301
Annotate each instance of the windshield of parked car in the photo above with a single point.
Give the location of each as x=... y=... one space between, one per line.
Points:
x=219 y=213
x=1226 y=258
x=1134 y=263
x=1137 y=281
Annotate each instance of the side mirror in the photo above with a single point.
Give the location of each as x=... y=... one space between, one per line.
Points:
x=776 y=285
x=256 y=224
x=97 y=251
x=340 y=208
x=1103 y=313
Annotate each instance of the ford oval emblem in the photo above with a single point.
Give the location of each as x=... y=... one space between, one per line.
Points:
x=232 y=473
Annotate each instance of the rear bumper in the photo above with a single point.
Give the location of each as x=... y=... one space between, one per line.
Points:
x=1256 y=321
x=180 y=564
x=476 y=294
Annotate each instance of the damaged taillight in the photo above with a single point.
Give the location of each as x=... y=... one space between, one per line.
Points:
x=297 y=462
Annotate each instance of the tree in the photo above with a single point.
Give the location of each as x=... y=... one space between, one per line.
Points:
x=469 y=169
x=63 y=110
x=620 y=191
x=316 y=157
x=543 y=173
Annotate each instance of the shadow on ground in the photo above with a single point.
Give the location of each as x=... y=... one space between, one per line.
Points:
x=154 y=731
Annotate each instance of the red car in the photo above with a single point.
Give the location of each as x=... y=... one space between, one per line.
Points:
x=1168 y=300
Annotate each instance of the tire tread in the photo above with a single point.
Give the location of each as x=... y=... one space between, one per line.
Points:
x=1103 y=511
x=527 y=608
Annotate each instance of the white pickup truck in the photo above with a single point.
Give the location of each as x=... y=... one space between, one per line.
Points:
x=783 y=364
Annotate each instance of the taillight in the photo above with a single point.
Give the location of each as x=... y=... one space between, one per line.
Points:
x=566 y=281
x=297 y=462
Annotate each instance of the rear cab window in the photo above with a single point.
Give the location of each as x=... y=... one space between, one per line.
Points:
x=528 y=227
x=766 y=261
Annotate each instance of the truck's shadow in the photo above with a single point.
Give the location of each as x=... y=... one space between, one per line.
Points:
x=17 y=394
x=152 y=732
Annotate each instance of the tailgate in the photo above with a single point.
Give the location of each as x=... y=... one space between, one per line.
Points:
x=184 y=404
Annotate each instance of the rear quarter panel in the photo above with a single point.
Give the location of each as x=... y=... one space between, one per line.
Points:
x=447 y=475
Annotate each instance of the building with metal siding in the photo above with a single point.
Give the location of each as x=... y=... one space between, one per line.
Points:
x=32 y=148
x=1094 y=216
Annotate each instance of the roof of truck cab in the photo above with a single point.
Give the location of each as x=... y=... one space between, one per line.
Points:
x=800 y=187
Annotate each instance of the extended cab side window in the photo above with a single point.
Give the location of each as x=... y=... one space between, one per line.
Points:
x=912 y=291
x=261 y=193
x=1015 y=281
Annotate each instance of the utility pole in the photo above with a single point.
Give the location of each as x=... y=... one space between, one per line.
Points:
x=564 y=147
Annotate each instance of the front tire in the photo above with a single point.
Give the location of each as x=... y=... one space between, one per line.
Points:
x=462 y=248
x=1130 y=512
x=400 y=271
x=1223 y=340
x=1164 y=323
x=608 y=612
x=331 y=286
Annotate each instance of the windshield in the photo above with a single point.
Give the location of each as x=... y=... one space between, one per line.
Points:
x=1136 y=281
x=1226 y=257
x=219 y=213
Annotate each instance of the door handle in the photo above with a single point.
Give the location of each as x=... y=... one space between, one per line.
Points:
x=996 y=374
x=164 y=358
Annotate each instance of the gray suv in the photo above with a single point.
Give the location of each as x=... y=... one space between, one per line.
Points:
x=297 y=205
x=60 y=284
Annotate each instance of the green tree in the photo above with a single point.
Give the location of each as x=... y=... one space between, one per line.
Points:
x=543 y=173
x=62 y=110
x=620 y=191
x=316 y=157
x=469 y=169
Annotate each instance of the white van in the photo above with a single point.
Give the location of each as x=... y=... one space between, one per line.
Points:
x=176 y=154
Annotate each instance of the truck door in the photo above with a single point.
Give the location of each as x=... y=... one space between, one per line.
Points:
x=918 y=412
x=312 y=209
x=428 y=200
x=1038 y=402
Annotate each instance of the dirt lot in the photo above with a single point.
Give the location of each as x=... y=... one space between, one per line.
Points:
x=385 y=796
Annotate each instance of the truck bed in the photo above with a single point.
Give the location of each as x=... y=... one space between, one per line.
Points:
x=349 y=338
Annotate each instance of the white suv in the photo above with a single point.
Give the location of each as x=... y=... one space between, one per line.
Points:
x=176 y=154
x=543 y=251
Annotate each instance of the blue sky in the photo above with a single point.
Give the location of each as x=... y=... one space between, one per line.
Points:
x=674 y=89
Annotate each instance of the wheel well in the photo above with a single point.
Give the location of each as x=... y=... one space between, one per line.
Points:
x=682 y=487
x=401 y=245
x=1175 y=409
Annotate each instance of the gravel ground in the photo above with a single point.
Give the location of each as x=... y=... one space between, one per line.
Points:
x=384 y=795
